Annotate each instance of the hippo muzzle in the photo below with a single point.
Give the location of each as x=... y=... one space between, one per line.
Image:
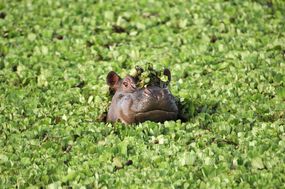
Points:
x=151 y=103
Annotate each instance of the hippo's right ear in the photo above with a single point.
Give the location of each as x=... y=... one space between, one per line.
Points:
x=168 y=74
x=113 y=80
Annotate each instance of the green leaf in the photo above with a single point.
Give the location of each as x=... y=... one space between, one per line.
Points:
x=32 y=36
x=257 y=163
x=117 y=162
x=3 y=158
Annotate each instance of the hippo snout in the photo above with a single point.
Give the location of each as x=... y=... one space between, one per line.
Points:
x=156 y=94
x=154 y=98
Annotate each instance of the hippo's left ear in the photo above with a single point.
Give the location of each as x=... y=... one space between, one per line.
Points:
x=167 y=73
x=113 y=80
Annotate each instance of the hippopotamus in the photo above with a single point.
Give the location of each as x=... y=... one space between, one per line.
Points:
x=133 y=104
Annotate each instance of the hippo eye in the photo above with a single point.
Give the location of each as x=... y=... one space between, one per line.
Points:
x=125 y=84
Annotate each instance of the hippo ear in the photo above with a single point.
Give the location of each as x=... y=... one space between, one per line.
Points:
x=113 y=80
x=167 y=73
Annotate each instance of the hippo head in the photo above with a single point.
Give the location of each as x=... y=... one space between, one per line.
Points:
x=133 y=104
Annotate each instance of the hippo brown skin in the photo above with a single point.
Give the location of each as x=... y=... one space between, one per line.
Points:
x=131 y=104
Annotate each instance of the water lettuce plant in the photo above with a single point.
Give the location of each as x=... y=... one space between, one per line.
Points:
x=227 y=60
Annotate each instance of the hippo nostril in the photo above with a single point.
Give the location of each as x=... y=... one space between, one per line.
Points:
x=163 y=93
x=147 y=92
